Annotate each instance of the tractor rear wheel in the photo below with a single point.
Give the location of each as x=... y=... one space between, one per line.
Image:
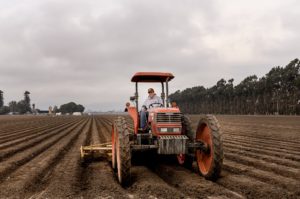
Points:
x=211 y=161
x=113 y=147
x=123 y=152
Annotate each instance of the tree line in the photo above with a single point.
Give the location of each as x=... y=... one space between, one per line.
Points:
x=278 y=92
x=70 y=107
x=23 y=106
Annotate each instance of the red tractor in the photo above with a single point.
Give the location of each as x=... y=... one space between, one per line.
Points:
x=169 y=133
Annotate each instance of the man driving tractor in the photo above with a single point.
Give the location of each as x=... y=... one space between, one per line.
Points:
x=152 y=101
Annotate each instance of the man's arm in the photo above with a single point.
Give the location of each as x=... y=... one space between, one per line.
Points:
x=145 y=104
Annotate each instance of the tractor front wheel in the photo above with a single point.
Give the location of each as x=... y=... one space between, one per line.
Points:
x=187 y=159
x=209 y=162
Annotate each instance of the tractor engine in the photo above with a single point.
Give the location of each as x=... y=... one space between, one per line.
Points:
x=166 y=125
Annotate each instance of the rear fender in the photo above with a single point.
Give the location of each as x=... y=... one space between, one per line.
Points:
x=135 y=117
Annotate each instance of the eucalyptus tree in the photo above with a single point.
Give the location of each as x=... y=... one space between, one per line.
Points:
x=1 y=98
x=276 y=92
x=13 y=106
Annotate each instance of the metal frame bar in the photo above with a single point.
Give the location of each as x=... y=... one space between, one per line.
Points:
x=167 y=92
x=163 y=93
x=137 y=147
x=136 y=97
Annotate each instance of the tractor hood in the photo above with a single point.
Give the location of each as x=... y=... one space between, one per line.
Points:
x=164 y=110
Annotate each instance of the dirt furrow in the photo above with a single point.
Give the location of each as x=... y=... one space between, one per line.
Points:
x=82 y=181
x=241 y=151
x=191 y=183
x=34 y=173
x=39 y=158
x=19 y=159
x=286 y=154
x=258 y=127
x=269 y=127
x=17 y=147
x=95 y=135
x=263 y=176
x=251 y=187
x=23 y=130
x=65 y=171
x=13 y=140
x=96 y=179
x=263 y=165
x=33 y=122
x=264 y=140
x=106 y=125
x=31 y=135
x=147 y=184
x=104 y=136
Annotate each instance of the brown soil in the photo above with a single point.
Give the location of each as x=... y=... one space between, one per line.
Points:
x=39 y=158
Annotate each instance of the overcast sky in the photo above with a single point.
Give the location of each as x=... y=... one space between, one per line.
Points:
x=86 y=51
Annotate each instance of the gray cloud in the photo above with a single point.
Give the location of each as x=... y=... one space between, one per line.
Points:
x=87 y=51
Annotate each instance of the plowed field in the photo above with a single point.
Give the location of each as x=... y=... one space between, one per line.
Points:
x=39 y=158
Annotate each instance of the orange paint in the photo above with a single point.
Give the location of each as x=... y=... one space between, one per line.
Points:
x=134 y=115
x=204 y=160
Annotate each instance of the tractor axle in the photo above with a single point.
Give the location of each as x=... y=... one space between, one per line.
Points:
x=199 y=145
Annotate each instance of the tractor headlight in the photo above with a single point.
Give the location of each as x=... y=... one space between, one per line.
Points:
x=163 y=130
x=176 y=130
x=169 y=130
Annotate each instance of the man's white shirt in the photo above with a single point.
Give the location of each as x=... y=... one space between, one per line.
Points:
x=153 y=100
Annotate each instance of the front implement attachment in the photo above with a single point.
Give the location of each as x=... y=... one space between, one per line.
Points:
x=96 y=151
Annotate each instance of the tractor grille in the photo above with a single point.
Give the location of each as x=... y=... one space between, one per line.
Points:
x=168 y=117
x=172 y=144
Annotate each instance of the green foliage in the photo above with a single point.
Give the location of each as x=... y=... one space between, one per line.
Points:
x=26 y=102
x=13 y=106
x=71 y=107
x=55 y=109
x=4 y=110
x=1 y=99
x=80 y=108
x=277 y=92
x=22 y=107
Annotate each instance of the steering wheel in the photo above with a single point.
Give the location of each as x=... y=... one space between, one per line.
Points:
x=160 y=105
